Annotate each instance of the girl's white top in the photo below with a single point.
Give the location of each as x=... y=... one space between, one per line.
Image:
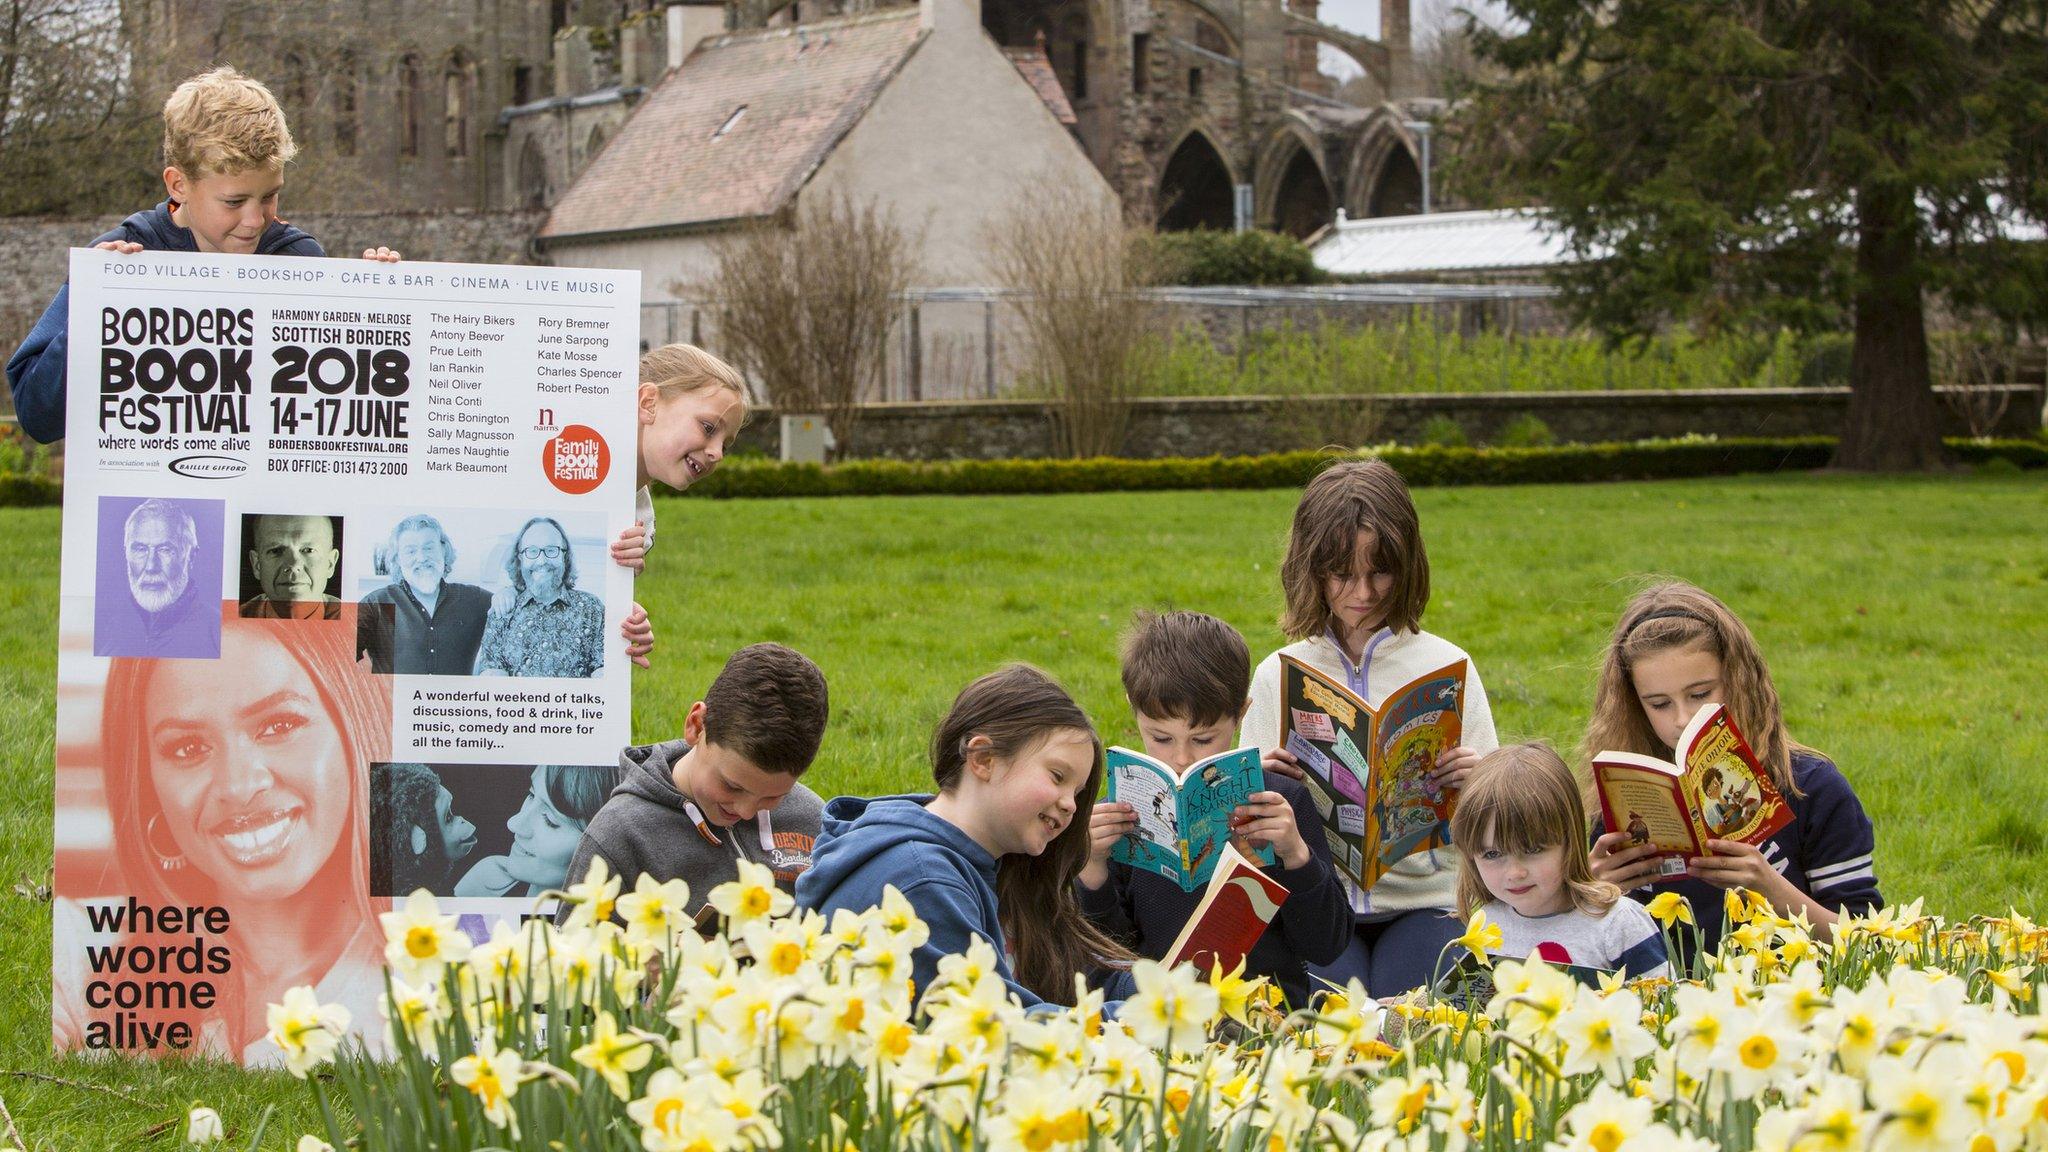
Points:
x=1426 y=879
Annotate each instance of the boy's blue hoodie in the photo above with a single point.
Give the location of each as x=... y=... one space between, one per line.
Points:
x=36 y=370
x=865 y=845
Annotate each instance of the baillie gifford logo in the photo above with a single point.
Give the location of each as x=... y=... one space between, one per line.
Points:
x=576 y=461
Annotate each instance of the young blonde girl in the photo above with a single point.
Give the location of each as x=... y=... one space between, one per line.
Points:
x=994 y=854
x=1356 y=580
x=1675 y=650
x=690 y=406
x=1520 y=824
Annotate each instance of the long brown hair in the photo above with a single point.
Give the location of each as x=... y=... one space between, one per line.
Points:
x=1672 y=616
x=1522 y=798
x=359 y=705
x=1015 y=709
x=1353 y=497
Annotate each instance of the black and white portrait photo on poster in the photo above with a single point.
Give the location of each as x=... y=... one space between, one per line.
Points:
x=291 y=566
x=479 y=830
x=482 y=591
x=421 y=621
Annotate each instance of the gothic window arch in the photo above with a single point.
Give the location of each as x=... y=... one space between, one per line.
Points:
x=458 y=93
x=347 y=103
x=411 y=102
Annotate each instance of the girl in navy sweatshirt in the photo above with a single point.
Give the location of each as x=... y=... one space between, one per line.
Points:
x=993 y=854
x=1676 y=650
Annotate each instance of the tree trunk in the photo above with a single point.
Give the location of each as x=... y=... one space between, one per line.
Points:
x=1894 y=422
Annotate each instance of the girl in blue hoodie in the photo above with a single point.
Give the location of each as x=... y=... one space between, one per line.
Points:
x=993 y=854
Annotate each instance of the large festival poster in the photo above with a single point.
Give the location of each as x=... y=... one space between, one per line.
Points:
x=337 y=622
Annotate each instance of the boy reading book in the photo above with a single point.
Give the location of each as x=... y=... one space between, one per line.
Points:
x=691 y=809
x=1187 y=676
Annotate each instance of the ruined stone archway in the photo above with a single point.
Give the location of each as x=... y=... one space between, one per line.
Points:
x=1196 y=189
x=1398 y=191
x=1292 y=189
x=1383 y=178
x=1302 y=204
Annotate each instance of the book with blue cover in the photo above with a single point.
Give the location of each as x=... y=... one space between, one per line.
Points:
x=1183 y=817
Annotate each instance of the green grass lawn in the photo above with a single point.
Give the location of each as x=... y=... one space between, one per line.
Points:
x=1904 y=620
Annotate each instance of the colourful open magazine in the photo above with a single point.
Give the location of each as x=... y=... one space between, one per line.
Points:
x=1367 y=770
x=1714 y=789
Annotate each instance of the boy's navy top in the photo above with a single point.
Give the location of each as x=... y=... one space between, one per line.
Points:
x=1146 y=911
x=36 y=370
x=865 y=845
x=1826 y=852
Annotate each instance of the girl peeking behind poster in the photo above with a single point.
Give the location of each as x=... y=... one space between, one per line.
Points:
x=236 y=791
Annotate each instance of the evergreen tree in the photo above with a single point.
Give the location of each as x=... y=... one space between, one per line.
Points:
x=1795 y=162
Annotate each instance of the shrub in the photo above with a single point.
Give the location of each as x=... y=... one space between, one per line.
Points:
x=1205 y=256
x=1423 y=465
x=1443 y=432
x=1526 y=431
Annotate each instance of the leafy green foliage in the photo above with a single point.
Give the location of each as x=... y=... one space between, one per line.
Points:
x=1801 y=162
x=1526 y=431
x=1442 y=431
x=1421 y=353
x=1205 y=256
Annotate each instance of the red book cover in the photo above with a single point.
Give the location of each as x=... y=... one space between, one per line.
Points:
x=1235 y=909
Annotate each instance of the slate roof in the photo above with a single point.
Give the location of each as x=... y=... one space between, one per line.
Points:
x=689 y=155
x=1036 y=68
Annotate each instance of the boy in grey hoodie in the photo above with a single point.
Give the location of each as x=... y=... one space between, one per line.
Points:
x=691 y=809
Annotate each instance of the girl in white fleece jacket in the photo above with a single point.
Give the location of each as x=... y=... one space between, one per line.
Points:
x=1356 y=580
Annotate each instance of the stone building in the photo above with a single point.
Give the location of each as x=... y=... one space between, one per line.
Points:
x=909 y=107
x=1197 y=112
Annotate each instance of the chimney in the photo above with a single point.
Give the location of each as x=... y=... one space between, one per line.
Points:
x=949 y=17
x=574 y=61
x=690 y=23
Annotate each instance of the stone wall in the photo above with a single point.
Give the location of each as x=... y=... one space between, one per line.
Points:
x=996 y=429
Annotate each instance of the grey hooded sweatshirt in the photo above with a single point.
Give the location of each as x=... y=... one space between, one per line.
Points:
x=648 y=826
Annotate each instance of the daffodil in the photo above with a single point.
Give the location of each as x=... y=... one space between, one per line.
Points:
x=1609 y=1121
x=1758 y=1051
x=306 y=1030
x=753 y=896
x=1234 y=993
x=655 y=910
x=492 y=1075
x=418 y=940
x=1172 y=1009
x=202 y=1126
x=1604 y=1034
x=1481 y=939
x=676 y=1116
x=1669 y=908
x=595 y=896
x=613 y=1054
x=312 y=1143
x=1920 y=1107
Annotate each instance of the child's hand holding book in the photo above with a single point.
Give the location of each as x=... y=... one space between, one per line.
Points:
x=1266 y=820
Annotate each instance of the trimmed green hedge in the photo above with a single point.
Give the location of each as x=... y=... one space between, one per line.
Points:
x=1422 y=466
x=19 y=491
x=1425 y=466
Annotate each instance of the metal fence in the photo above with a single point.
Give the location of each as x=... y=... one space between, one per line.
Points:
x=968 y=343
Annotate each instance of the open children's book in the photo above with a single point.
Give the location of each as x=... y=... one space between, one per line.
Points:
x=1183 y=818
x=1368 y=771
x=1715 y=789
x=1235 y=909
